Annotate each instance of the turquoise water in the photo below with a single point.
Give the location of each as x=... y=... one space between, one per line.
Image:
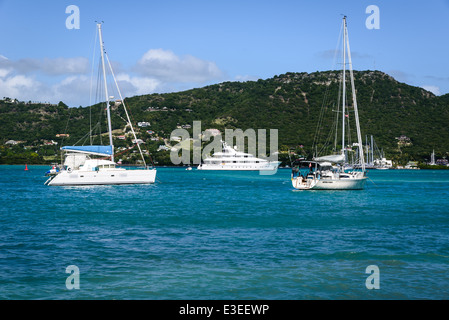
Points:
x=224 y=235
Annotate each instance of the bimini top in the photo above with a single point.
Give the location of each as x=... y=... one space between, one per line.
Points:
x=96 y=150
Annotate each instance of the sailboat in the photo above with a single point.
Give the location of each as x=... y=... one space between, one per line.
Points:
x=328 y=172
x=380 y=162
x=432 y=158
x=81 y=164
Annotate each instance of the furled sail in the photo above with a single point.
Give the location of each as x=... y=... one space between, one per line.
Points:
x=337 y=158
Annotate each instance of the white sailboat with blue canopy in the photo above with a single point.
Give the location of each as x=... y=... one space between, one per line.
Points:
x=80 y=166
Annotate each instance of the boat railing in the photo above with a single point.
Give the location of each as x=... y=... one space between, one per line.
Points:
x=133 y=166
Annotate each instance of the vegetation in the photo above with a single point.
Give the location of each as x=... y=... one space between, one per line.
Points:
x=290 y=102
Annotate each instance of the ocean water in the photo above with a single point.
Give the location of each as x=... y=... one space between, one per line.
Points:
x=224 y=235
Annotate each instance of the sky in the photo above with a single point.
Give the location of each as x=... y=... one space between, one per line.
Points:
x=175 y=45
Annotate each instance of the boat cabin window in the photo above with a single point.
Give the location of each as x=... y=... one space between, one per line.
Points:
x=106 y=166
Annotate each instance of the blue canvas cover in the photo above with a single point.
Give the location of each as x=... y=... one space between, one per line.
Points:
x=97 y=150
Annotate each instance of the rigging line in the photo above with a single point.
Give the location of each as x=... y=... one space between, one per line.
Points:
x=320 y=119
x=334 y=129
x=354 y=98
x=65 y=132
x=119 y=153
x=330 y=135
x=336 y=52
x=98 y=100
x=85 y=136
x=373 y=182
x=90 y=122
x=337 y=114
x=323 y=107
x=67 y=125
x=318 y=131
x=126 y=111
x=321 y=116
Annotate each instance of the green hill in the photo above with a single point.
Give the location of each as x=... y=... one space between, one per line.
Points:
x=290 y=103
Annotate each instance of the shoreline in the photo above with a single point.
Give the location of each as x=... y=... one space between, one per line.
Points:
x=185 y=166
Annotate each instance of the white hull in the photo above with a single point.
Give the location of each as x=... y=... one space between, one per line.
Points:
x=103 y=177
x=356 y=183
x=271 y=166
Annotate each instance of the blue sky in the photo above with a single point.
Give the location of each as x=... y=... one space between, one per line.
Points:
x=173 y=45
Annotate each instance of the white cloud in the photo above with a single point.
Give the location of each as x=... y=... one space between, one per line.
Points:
x=68 y=80
x=63 y=66
x=4 y=72
x=20 y=86
x=137 y=85
x=166 y=66
x=72 y=90
x=434 y=89
x=4 y=68
x=53 y=66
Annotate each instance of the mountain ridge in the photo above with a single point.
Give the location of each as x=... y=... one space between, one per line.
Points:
x=289 y=102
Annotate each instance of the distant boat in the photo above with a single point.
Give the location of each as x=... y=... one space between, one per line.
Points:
x=432 y=158
x=383 y=164
x=80 y=165
x=380 y=162
x=233 y=160
x=328 y=172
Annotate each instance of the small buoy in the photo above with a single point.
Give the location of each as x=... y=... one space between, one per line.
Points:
x=26 y=167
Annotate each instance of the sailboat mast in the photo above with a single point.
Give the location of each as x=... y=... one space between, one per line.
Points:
x=367 y=148
x=354 y=99
x=108 y=112
x=343 y=112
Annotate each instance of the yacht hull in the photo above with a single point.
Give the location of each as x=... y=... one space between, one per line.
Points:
x=272 y=166
x=329 y=184
x=105 y=177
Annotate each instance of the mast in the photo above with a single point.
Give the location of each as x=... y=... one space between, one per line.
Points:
x=344 y=89
x=367 y=148
x=354 y=98
x=106 y=90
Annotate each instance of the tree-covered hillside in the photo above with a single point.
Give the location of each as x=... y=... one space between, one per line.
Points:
x=290 y=102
